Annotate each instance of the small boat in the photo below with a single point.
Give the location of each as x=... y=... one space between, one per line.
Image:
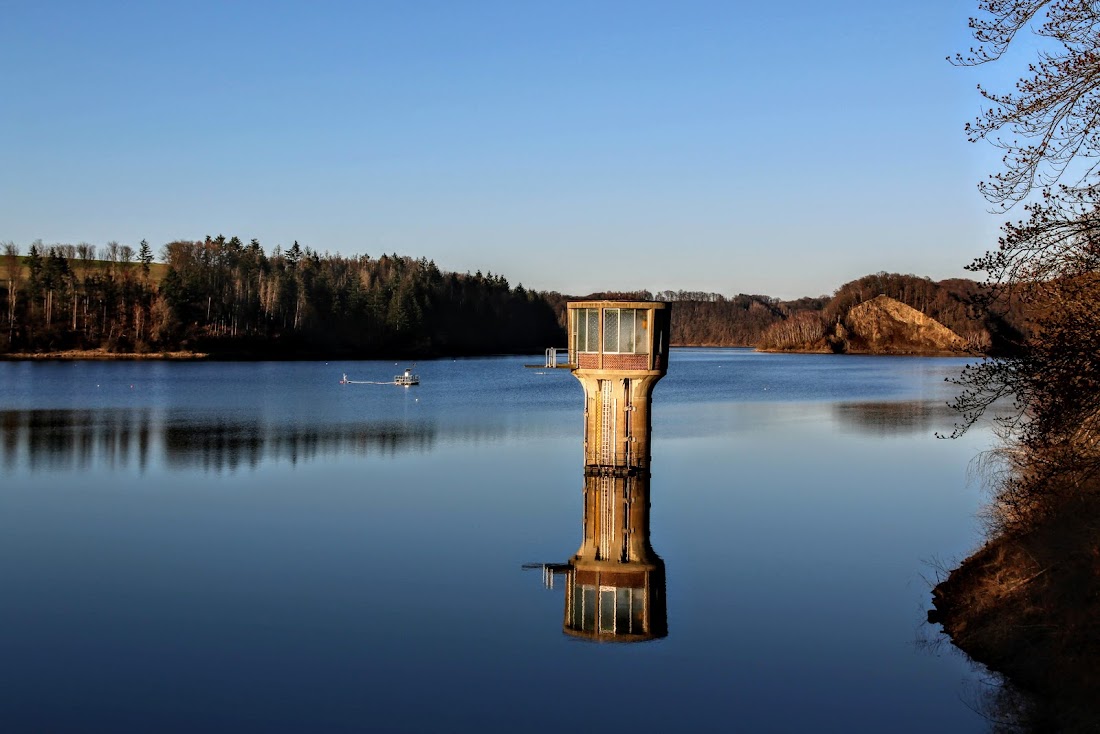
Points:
x=406 y=379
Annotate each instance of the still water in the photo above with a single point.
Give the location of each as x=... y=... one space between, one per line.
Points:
x=254 y=547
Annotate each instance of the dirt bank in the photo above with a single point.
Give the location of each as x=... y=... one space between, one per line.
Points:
x=1027 y=606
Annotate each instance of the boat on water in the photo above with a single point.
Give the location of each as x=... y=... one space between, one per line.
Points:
x=406 y=379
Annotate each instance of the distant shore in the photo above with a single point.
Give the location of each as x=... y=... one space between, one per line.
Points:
x=874 y=353
x=73 y=355
x=100 y=354
x=253 y=355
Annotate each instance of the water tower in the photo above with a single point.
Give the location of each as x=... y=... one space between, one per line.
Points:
x=618 y=350
x=615 y=584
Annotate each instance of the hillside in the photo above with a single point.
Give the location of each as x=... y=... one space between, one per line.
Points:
x=886 y=326
x=882 y=325
x=988 y=323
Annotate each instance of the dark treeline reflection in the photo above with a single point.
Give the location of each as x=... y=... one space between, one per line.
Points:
x=895 y=418
x=227 y=445
x=75 y=439
x=80 y=439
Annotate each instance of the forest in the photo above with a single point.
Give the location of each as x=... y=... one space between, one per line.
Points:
x=226 y=298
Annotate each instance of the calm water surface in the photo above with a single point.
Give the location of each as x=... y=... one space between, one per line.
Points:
x=255 y=547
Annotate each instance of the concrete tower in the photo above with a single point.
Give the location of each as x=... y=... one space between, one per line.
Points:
x=618 y=350
x=615 y=584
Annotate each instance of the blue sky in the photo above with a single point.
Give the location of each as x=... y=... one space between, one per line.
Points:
x=780 y=148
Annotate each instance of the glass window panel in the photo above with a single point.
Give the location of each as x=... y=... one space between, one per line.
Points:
x=626 y=330
x=592 y=344
x=641 y=331
x=580 y=324
x=588 y=611
x=611 y=330
x=607 y=610
x=637 y=611
x=622 y=610
x=576 y=599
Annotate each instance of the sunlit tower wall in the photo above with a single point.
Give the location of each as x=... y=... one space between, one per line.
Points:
x=618 y=350
x=615 y=588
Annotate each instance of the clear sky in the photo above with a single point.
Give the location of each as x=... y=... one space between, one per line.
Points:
x=764 y=147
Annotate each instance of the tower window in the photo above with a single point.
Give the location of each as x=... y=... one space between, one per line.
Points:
x=626 y=331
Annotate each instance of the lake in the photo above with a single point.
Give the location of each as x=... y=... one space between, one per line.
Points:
x=255 y=547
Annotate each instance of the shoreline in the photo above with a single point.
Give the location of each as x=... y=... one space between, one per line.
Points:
x=101 y=355
x=74 y=355
x=868 y=353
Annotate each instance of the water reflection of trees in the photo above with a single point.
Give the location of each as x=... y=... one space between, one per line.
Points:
x=228 y=445
x=117 y=439
x=75 y=439
x=896 y=418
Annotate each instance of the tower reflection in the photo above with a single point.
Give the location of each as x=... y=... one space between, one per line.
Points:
x=615 y=583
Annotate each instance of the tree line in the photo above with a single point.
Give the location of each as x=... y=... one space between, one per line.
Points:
x=712 y=319
x=704 y=319
x=222 y=296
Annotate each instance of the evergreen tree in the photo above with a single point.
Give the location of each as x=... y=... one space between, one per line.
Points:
x=145 y=257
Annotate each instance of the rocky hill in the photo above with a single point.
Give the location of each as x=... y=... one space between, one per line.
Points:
x=885 y=326
x=881 y=325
